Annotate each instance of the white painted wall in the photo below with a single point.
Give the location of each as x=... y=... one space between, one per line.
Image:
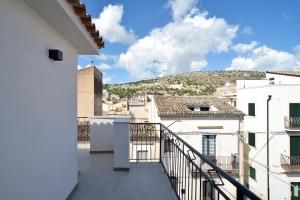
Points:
x=111 y=134
x=37 y=107
x=121 y=143
x=139 y=112
x=250 y=83
x=282 y=95
x=102 y=134
x=187 y=129
x=283 y=79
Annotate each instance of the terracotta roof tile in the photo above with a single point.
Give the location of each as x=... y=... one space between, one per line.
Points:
x=86 y=19
x=169 y=106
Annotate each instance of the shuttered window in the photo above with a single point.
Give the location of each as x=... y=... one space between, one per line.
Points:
x=251 y=139
x=251 y=109
x=209 y=145
x=252 y=173
x=295 y=190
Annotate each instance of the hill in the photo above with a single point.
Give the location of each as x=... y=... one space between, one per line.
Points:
x=188 y=84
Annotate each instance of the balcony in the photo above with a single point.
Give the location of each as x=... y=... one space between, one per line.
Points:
x=290 y=163
x=97 y=180
x=292 y=123
x=150 y=162
x=227 y=163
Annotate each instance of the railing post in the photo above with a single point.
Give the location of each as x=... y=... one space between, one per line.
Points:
x=239 y=195
x=160 y=142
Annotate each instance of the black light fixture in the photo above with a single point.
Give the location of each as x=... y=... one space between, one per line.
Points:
x=55 y=54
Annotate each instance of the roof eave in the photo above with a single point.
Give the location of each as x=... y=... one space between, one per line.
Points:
x=61 y=16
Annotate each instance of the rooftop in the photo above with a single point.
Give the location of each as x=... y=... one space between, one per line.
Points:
x=170 y=106
x=86 y=20
x=286 y=73
x=97 y=180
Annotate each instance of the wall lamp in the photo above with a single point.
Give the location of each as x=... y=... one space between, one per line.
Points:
x=55 y=54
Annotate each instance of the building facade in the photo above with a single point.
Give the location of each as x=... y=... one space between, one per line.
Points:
x=40 y=42
x=284 y=134
x=208 y=124
x=89 y=92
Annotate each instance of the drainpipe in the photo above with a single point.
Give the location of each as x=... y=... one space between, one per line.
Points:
x=239 y=151
x=268 y=159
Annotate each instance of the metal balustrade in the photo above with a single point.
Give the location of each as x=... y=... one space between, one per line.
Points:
x=292 y=122
x=83 y=129
x=290 y=163
x=192 y=175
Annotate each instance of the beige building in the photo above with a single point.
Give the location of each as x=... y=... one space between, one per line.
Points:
x=89 y=92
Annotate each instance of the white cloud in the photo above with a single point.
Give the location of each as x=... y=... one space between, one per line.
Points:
x=247 y=31
x=181 y=7
x=181 y=45
x=79 y=67
x=106 y=57
x=110 y=28
x=103 y=66
x=243 y=48
x=198 y=65
x=297 y=51
x=264 y=58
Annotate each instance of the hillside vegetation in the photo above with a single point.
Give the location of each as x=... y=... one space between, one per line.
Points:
x=189 y=84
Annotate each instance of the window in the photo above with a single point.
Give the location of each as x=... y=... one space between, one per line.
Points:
x=294 y=150
x=295 y=191
x=271 y=81
x=204 y=108
x=251 y=109
x=199 y=108
x=251 y=139
x=168 y=145
x=252 y=173
x=209 y=145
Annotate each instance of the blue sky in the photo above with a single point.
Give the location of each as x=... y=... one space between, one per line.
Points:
x=192 y=35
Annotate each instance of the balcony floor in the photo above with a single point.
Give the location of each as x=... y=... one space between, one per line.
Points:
x=97 y=180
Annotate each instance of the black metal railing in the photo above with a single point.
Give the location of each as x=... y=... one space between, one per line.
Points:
x=83 y=129
x=290 y=162
x=192 y=175
x=292 y=122
x=144 y=142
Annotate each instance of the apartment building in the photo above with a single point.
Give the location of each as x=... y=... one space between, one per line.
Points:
x=272 y=106
x=208 y=124
x=40 y=42
x=89 y=92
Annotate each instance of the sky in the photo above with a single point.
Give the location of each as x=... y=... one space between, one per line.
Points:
x=145 y=39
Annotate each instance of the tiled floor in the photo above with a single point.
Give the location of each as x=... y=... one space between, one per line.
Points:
x=97 y=180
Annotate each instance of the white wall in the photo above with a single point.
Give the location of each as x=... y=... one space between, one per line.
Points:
x=282 y=95
x=102 y=134
x=250 y=83
x=111 y=134
x=121 y=143
x=38 y=108
x=283 y=79
x=139 y=112
x=187 y=129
